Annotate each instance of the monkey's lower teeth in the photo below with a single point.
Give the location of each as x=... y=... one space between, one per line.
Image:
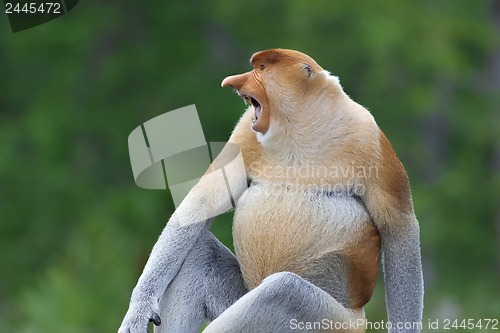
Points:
x=258 y=110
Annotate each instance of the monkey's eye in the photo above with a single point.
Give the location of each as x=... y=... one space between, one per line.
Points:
x=308 y=69
x=262 y=66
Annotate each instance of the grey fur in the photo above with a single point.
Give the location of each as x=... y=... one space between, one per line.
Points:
x=205 y=283
x=208 y=283
x=166 y=258
x=198 y=279
x=404 y=284
x=279 y=301
x=209 y=286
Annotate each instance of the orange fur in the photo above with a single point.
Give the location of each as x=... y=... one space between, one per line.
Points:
x=287 y=221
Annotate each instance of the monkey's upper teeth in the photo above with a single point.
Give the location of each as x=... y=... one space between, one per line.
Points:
x=252 y=101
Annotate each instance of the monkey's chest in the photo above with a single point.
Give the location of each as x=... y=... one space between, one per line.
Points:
x=309 y=233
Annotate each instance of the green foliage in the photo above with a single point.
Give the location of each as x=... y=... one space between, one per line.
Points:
x=75 y=231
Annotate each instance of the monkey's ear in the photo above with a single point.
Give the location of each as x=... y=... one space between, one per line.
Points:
x=307 y=68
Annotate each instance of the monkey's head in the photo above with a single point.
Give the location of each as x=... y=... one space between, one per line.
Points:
x=279 y=86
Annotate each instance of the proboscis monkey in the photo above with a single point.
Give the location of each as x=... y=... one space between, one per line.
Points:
x=323 y=197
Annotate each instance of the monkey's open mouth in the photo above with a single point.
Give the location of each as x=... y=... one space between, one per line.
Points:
x=256 y=105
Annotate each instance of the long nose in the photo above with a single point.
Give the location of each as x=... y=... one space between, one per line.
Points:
x=235 y=81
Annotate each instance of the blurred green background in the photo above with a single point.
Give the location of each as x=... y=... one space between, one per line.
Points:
x=75 y=231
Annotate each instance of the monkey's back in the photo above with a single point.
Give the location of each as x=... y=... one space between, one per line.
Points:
x=326 y=238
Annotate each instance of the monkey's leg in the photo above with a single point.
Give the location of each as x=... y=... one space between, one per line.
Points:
x=284 y=302
x=209 y=281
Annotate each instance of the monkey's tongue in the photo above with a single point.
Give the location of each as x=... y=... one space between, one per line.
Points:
x=257 y=107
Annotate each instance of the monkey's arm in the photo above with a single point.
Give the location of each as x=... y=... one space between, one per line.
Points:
x=403 y=274
x=214 y=194
x=163 y=264
x=388 y=199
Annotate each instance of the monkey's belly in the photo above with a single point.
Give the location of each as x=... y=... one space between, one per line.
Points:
x=328 y=240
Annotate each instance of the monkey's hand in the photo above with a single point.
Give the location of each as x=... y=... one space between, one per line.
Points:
x=138 y=315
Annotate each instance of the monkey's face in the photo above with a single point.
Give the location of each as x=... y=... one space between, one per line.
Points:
x=276 y=84
x=250 y=87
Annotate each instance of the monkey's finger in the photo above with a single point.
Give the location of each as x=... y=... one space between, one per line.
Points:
x=156 y=319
